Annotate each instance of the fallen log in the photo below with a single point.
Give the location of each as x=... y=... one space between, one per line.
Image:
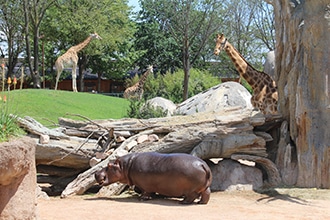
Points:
x=273 y=174
x=34 y=127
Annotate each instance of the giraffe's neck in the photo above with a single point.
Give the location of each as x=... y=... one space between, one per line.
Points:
x=242 y=66
x=143 y=79
x=82 y=45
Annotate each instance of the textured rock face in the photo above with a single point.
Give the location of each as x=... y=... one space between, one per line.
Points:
x=303 y=74
x=229 y=175
x=228 y=94
x=17 y=180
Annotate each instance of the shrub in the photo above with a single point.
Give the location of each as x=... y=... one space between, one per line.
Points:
x=138 y=109
x=8 y=122
x=170 y=85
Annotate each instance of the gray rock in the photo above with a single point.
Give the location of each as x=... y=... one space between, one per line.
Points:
x=228 y=94
x=231 y=175
x=165 y=104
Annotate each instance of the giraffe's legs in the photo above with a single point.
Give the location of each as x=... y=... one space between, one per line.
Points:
x=74 y=78
x=59 y=71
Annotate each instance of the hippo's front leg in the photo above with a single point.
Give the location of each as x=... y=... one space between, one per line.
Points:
x=146 y=196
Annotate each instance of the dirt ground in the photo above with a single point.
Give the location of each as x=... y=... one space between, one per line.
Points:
x=280 y=203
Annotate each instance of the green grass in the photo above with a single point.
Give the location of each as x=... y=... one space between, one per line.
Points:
x=46 y=106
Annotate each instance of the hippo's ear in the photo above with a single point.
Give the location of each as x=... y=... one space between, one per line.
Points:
x=114 y=166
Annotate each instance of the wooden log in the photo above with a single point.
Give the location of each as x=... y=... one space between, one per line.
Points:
x=273 y=174
x=74 y=153
x=225 y=145
x=34 y=127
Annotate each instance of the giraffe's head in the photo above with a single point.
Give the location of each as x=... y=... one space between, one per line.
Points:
x=220 y=43
x=150 y=68
x=96 y=36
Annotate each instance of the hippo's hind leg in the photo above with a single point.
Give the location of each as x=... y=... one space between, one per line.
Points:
x=190 y=198
x=205 y=196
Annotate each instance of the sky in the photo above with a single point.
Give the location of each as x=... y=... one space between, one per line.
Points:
x=135 y=4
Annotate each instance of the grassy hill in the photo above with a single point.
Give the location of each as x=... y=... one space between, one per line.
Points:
x=46 y=106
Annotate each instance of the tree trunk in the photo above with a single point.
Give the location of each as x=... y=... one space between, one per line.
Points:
x=186 y=70
x=303 y=75
x=35 y=75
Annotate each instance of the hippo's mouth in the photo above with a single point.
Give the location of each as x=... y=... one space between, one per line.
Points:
x=101 y=179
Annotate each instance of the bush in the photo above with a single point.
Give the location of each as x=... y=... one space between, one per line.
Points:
x=8 y=122
x=170 y=85
x=138 y=109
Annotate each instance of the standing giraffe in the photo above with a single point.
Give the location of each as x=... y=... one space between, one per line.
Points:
x=264 y=87
x=136 y=91
x=70 y=58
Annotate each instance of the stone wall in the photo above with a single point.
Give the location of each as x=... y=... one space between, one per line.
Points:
x=18 y=179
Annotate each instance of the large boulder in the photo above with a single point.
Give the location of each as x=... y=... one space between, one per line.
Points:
x=18 y=179
x=228 y=94
x=164 y=104
x=230 y=175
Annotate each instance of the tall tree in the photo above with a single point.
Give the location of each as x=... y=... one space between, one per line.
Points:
x=34 y=12
x=190 y=24
x=250 y=28
x=74 y=20
x=12 y=26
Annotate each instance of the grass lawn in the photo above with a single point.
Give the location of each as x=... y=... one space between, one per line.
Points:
x=46 y=106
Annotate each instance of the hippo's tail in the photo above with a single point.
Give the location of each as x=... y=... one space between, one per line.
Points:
x=208 y=176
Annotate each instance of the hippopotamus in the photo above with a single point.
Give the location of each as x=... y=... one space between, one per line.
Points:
x=176 y=175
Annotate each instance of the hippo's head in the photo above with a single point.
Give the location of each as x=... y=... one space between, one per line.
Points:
x=110 y=174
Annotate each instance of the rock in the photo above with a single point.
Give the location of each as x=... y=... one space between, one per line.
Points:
x=93 y=161
x=269 y=65
x=164 y=104
x=153 y=137
x=100 y=155
x=142 y=138
x=120 y=139
x=44 y=139
x=41 y=194
x=231 y=175
x=18 y=179
x=130 y=145
x=228 y=94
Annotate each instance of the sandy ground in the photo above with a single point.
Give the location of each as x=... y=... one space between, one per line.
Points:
x=273 y=204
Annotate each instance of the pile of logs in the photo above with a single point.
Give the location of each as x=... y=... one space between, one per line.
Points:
x=69 y=155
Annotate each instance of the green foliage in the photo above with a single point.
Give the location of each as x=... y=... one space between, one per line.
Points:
x=8 y=122
x=71 y=21
x=149 y=111
x=46 y=106
x=169 y=85
x=140 y=109
x=247 y=85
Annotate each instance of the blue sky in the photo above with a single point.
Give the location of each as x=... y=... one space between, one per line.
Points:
x=135 y=4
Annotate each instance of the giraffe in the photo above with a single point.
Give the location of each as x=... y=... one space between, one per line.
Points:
x=70 y=58
x=264 y=87
x=136 y=91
